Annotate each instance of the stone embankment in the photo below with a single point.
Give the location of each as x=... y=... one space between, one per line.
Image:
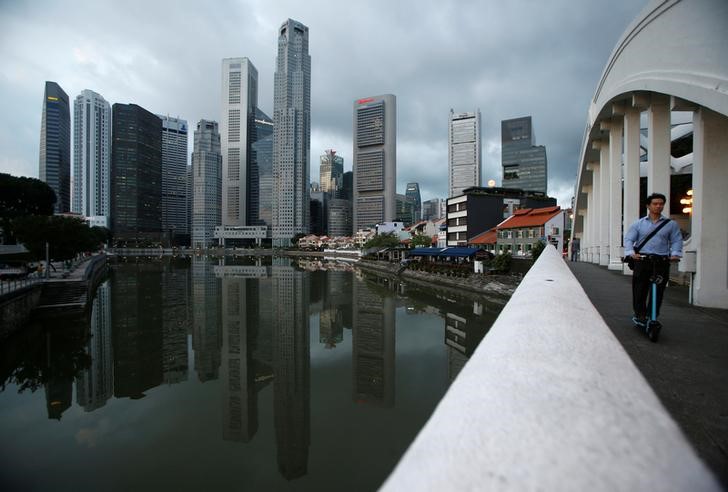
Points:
x=491 y=285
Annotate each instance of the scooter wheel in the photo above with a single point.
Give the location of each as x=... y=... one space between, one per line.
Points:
x=653 y=330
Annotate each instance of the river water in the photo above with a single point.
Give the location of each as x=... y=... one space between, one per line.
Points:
x=201 y=374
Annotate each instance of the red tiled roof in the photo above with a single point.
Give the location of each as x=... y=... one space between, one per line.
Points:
x=530 y=217
x=487 y=237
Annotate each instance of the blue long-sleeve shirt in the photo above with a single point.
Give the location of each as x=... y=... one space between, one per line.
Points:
x=667 y=241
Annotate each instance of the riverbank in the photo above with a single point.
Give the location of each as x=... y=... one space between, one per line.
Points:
x=497 y=288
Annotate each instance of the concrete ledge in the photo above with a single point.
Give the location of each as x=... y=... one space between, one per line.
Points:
x=550 y=401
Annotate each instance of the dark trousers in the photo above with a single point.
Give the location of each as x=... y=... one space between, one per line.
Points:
x=644 y=270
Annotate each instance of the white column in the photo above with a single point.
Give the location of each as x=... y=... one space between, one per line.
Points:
x=586 y=245
x=658 y=147
x=604 y=210
x=632 y=205
x=615 y=194
x=710 y=208
x=595 y=208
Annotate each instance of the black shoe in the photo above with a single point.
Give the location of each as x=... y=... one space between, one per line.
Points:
x=653 y=330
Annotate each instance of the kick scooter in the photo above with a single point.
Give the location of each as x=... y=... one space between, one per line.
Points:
x=652 y=327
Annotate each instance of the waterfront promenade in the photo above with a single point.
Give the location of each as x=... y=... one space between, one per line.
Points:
x=687 y=368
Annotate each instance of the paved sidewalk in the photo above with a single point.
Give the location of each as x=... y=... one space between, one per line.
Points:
x=687 y=368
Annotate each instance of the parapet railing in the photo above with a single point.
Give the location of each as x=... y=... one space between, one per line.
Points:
x=11 y=285
x=550 y=401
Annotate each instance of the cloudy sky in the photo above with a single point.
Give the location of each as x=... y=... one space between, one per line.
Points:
x=508 y=58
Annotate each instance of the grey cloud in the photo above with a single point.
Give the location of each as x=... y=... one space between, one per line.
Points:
x=507 y=58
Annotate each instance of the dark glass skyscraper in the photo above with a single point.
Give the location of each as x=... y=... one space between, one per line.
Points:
x=413 y=193
x=524 y=162
x=136 y=176
x=55 y=145
x=260 y=172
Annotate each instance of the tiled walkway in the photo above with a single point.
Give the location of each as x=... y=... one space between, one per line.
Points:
x=687 y=368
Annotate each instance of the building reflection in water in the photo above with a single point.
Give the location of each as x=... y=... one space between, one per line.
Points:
x=95 y=385
x=175 y=320
x=336 y=299
x=206 y=334
x=241 y=330
x=291 y=367
x=373 y=343
x=464 y=329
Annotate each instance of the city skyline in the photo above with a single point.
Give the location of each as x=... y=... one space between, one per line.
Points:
x=152 y=71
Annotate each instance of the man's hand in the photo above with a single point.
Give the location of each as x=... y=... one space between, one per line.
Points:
x=636 y=256
x=674 y=258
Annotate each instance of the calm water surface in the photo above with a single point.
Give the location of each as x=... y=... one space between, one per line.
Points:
x=196 y=374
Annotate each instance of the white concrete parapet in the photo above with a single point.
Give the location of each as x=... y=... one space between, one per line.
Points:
x=550 y=401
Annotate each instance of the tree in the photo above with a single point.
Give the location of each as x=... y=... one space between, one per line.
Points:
x=66 y=236
x=501 y=262
x=537 y=249
x=421 y=240
x=20 y=197
x=386 y=240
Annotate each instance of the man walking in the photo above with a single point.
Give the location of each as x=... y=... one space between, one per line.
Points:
x=652 y=256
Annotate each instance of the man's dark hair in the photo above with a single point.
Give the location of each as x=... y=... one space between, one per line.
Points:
x=655 y=196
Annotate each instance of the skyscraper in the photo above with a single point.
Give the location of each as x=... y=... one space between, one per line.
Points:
x=174 y=189
x=375 y=160
x=206 y=184
x=55 y=145
x=239 y=100
x=136 y=176
x=260 y=179
x=413 y=194
x=291 y=133
x=431 y=209
x=464 y=155
x=332 y=173
x=91 y=157
x=524 y=162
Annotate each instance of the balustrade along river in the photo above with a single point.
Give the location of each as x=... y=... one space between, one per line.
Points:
x=209 y=374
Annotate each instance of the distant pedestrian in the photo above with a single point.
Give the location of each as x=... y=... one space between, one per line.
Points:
x=653 y=256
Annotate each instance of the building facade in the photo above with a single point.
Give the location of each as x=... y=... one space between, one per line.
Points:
x=174 y=184
x=524 y=163
x=291 y=133
x=91 y=157
x=339 y=219
x=464 y=152
x=431 y=209
x=480 y=209
x=55 y=145
x=375 y=160
x=412 y=192
x=238 y=103
x=206 y=184
x=331 y=173
x=136 y=176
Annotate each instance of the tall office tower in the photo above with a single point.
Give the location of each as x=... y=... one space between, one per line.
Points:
x=55 y=145
x=206 y=184
x=332 y=174
x=239 y=100
x=524 y=163
x=174 y=189
x=291 y=367
x=318 y=211
x=464 y=155
x=348 y=188
x=431 y=209
x=136 y=176
x=95 y=384
x=260 y=179
x=413 y=194
x=405 y=210
x=375 y=160
x=339 y=217
x=291 y=133
x=91 y=157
